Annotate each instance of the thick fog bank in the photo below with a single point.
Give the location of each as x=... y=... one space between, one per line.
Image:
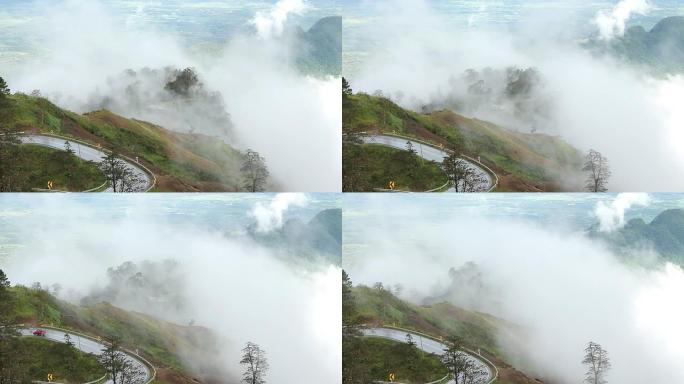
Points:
x=631 y=116
x=559 y=288
x=239 y=290
x=251 y=93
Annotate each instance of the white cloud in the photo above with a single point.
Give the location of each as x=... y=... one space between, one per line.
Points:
x=270 y=216
x=271 y=24
x=612 y=216
x=612 y=24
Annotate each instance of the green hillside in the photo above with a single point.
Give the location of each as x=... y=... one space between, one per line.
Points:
x=181 y=162
x=162 y=343
x=523 y=161
x=478 y=331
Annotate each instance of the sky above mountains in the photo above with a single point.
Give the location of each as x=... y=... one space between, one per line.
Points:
x=192 y=22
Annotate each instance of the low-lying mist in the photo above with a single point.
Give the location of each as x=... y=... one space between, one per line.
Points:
x=556 y=285
x=249 y=89
x=240 y=290
x=625 y=112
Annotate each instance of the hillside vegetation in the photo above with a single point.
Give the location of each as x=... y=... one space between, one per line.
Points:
x=182 y=162
x=379 y=306
x=38 y=165
x=38 y=357
x=161 y=342
x=523 y=161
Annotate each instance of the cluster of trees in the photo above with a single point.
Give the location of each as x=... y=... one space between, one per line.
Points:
x=9 y=142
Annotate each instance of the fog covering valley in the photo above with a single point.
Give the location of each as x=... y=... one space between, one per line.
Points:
x=192 y=259
x=563 y=270
x=259 y=70
x=588 y=72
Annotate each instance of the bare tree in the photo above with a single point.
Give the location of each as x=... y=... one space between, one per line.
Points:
x=120 y=368
x=598 y=171
x=461 y=174
x=119 y=175
x=598 y=363
x=410 y=149
x=455 y=359
x=462 y=367
x=254 y=358
x=254 y=171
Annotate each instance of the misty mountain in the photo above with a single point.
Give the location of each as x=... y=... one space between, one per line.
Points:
x=320 y=51
x=665 y=234
x=661 y=48
x=322 y=235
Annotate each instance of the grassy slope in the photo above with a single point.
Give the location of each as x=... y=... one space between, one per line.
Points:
x=382 y=357
x=477 y=330
x=38 y=357
x=158 y=341
x=523 y=162
x=389 y=164
x=67 y=172
x=182 y=162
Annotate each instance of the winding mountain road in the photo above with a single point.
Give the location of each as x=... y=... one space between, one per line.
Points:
x=431 y=153
x=87 y=345
x=89 y=153
x=428 y=345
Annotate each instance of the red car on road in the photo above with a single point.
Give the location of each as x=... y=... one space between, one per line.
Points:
x=39 y=332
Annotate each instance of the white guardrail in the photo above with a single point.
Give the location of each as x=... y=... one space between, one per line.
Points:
x=440 y=340
x=153 y=177
x=495 y=178
x=151 y=367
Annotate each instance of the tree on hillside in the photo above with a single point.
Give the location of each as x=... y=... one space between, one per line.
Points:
x=346 y=88
x=120 y=368
x=254 y=360
x=349 y=315
x=410 y=149
x=409 y=340
x=597 y=361
x=119 y=175
x=8 y=335
x=67 y=340
x=9 y=143
x=598 y=171
x=254 y=172
x=4 y=89
x=461 y=174
x=454 y=359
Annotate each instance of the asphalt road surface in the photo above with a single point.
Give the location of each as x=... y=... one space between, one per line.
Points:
x=430 y=153
x=86 y=345
x=89 y=153
x=427 y=345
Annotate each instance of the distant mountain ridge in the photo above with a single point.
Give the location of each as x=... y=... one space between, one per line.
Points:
x=665 y=234
x=321 y=236
x=661 y=48
x=321 y=51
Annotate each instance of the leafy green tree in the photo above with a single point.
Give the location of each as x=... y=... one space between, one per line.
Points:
x=346 y=88
x=4 y=89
